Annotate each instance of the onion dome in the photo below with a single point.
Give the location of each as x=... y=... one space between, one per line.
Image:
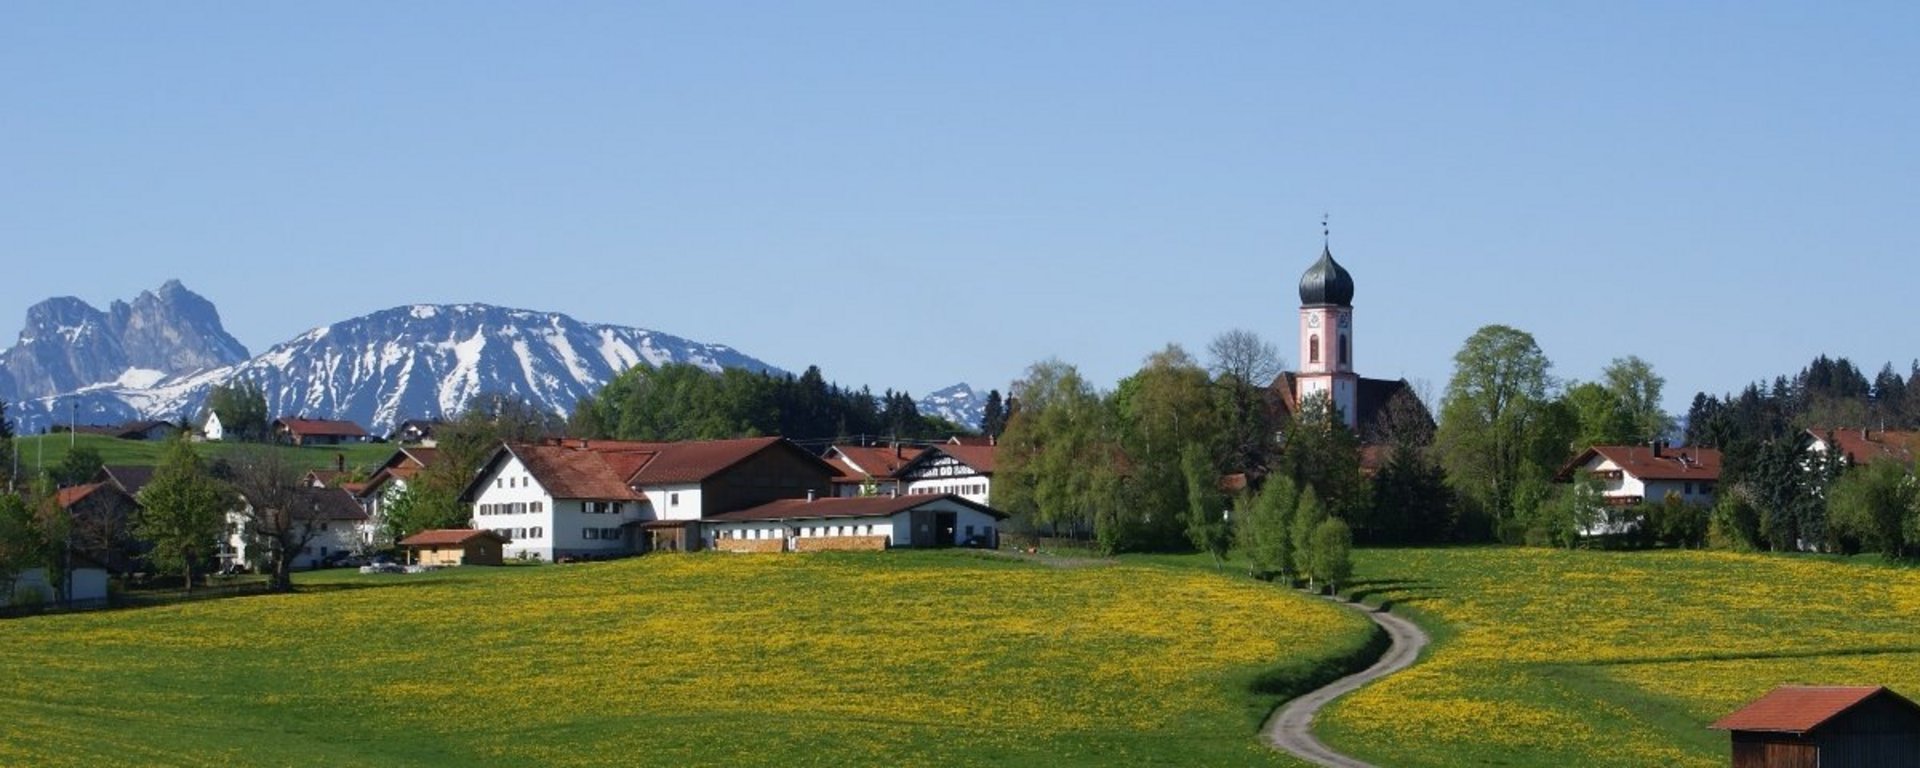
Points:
x=1326 y=282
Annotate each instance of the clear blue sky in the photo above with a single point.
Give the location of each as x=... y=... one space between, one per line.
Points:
x=911 y=195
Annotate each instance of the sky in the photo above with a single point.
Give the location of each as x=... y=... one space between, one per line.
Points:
x=915 y=194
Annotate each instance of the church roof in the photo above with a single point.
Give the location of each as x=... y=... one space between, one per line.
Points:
x=1373 y=396
x=1326 y=282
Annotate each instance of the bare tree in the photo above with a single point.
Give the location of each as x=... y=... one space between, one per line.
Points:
x=1244 y=366
x=277 y=519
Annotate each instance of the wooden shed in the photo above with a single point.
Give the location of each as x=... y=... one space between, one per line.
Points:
x=1798 y=726
x=455 y=546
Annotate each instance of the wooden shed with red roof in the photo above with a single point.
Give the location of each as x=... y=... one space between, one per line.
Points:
x=1804 y=726
x=455 y=546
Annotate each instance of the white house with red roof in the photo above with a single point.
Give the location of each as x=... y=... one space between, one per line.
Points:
x=602 y=498
x=962 y=470
x=331 y=520
x=1861 y=446
x=869 y=470
x=1631 y=474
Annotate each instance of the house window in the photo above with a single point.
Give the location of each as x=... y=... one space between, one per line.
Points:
x=673 y=499
x=536 y=532
x=590 y=534
x=1313 y=348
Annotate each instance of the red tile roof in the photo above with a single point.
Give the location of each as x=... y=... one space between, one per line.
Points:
x=444 y=536
x=568 y=473
x=1800 y=708
x=67 y=497
x=879 y=461
x=696 y=461
x=862 y=506
x=1862 y=446
x=328 y=504
x=1700 y=464
x=321 y=427
x=984 y=440
x=980 y=457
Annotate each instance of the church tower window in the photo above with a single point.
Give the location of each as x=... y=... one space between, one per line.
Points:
x=1313 y=348
x=1343 y=350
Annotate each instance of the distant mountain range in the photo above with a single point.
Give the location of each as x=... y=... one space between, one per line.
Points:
x=160 y=356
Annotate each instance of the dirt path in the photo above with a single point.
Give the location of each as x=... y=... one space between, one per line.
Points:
x=1291 y=728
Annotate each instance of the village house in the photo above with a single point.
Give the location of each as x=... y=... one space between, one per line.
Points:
x=128 y=478
x=132 y=430
x=869 y=470
x=455 y=546
x=1803 y=726
x=212 y=430
x=331 y=515
x=414 y=432
x=1861 y=446
x=100 y=516
x=389 y=480
x=569 y=498
x=1627 y=475
x=869 y=522
x=962 y=470
x=297 y=431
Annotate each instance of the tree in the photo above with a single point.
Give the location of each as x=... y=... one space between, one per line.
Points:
x=1319 y=452
x=1637 y=388
x=1057 y=459
x=994 y=421
x=1869 y=506
x=1332 y=556
x=1160 y=411
x=242 y=408
x=1206 y=527
x=276 y=519
x=7 y=457
x=1308 y=514
x=77 y=467
x=1496 y=395
x=1244 y=366
x=183 y=511
x=21 y=544
x=1602 y=416
x=1263 y=527
x=1411 y=501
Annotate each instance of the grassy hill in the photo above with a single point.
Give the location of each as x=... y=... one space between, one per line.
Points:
x=50 y=449
x=1554 y=658
x=870 y=659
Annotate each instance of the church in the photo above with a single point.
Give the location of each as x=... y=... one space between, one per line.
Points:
x=1373 y=408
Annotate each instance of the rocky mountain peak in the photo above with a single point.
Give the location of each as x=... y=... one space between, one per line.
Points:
x=68 y=344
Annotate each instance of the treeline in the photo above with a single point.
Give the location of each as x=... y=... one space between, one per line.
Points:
x=1185 y=456
x=1777 y=494
x=680 y=401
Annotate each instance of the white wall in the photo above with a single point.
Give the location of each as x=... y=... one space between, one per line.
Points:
x=333 y=536
x=675 y=502
x=559 y=528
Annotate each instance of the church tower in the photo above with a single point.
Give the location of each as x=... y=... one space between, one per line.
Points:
x=1326 y=337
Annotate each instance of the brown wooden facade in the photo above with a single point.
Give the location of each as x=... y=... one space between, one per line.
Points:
x=1881 y=730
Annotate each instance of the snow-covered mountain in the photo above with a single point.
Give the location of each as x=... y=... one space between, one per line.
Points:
x=959 y=404
x=67 y=344
x=407 y=362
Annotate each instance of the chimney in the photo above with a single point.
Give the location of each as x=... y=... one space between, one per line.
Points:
x=1656 y=448
x=896 y=451
x=340 y=462
x=894 y=492
x=809 y=495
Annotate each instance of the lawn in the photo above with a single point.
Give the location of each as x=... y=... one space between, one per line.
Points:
x=857 y=659
x=1554 y=658
x=49 y=450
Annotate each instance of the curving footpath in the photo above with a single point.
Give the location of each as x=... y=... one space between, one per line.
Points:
x=1291 y=728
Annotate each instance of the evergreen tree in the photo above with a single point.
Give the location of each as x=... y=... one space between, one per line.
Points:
x=7 y=456
x=994 y=420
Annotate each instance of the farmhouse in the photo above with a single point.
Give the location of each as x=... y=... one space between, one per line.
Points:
x=869 y=469
x=415 y=432
x=1825 y=727
x=296 y=431
x=330 y=518
x=963 y=470
x=455 y=546
x=1631 y=474
x=598 y=498
x=871 y=522
x=1373 y=408
x=132 y=430
x=1860 y=446
x=101 y=515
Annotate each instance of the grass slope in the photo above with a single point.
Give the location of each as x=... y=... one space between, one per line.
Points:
x=1554 y=658
x=869 y=659
x=51 y=449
